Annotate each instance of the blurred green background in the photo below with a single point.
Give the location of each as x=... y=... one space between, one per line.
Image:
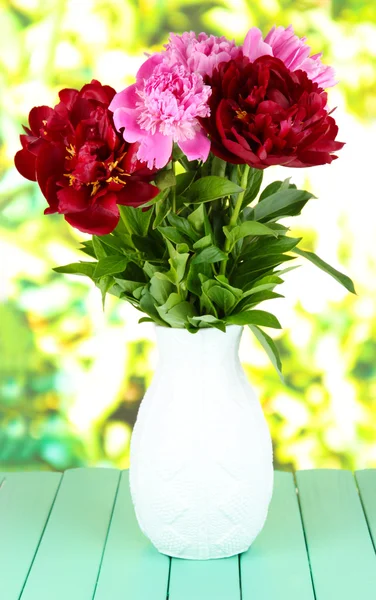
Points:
x=71 y=377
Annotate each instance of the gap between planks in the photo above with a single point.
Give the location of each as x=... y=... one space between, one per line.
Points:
x=107 y=534
x=41 y=536
x=364 y=511
x=168 y=579
x=304 y=533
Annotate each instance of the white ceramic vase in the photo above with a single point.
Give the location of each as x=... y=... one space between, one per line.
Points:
x=201 y=471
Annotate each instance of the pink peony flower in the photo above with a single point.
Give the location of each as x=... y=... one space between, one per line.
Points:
x=199 y=54
x=293 y=52
x=161 y=108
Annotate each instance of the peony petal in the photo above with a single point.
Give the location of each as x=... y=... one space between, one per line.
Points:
x=155 y=150
x=68 y=96
x=130 y=162
x=49 y=163
x=135 y=167
x=99 y=219
x=51 y=196
x=197 y=148
x=37 y=115
x=73 y=201
x=125 y=99
x=25 y=164
x=127 y=118
x=254 y=46
x=97 y=92
x=147 y=68
x=136 y=193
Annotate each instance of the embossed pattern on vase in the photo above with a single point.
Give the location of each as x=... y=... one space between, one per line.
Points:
x=201 y=454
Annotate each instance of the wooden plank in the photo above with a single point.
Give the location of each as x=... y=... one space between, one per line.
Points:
x=342 y=558
x=25 y=503
x=201 y=580
x=132 y=568
x=67 y=563
x=366 y=481
x=276 y=566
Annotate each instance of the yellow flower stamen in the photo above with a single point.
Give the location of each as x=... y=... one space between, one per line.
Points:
x=241 y=114
x=71 y=152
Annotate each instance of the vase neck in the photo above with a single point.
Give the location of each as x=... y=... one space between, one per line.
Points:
x=206 y=347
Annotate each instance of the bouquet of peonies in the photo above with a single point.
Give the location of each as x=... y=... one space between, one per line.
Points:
x=166 y=175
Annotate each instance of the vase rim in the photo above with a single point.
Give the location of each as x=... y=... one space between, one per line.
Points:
x=232 y=327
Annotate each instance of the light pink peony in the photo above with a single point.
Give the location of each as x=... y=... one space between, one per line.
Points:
x=201 y=53
x=293 y=52
x=161 y=108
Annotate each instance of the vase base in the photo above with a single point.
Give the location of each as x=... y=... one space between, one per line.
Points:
x=190 y=557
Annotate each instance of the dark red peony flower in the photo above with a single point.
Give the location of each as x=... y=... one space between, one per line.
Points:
x=82 y=164
x=263 y=114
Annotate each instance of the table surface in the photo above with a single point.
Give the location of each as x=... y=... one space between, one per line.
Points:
x=73 y=536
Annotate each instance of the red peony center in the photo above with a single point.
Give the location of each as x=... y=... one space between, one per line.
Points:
x=91 y=166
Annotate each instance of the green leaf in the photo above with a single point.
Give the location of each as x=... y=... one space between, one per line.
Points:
x=178 y=263
x=160 y=288
x=211 y=188
x=136 y=220
x=248 y=271
x=337 y=275
x=110 y=265
x=193 y=281
x=209 y=255
x=99 y=249
x=172 y=234
x=176 y=312
x=150 y=269
x=253 y=186
x=264 y=283
x=276 y=186
x=137 y=293
x=280 y=229
x=151 y=245
x=263 y=247
x=218 y=167
x=128 y=286
x=165 y=179
x=87 y=248
x=253 y=228
x=147 y=305
x=254 y=317
x=183 y=181
x=202 y=243
x=238 y=293
x=255 y=299
x=224 y=299
x=283 y=271
x=158 y=198
x=283 y=203
x=134 y=273
x=80 y=268
x=105 y=283
x=113 y=242
x=116 y=290
x=270 y=348
x=179 y=314
x=161 y=211
x=210 y=320
x=197 y=218
x=183 y=225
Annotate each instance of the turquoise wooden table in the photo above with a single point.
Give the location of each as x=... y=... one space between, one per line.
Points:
x=73 y=536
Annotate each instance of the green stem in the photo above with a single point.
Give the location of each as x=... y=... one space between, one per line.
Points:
x=173 y=190
x=234 y=217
